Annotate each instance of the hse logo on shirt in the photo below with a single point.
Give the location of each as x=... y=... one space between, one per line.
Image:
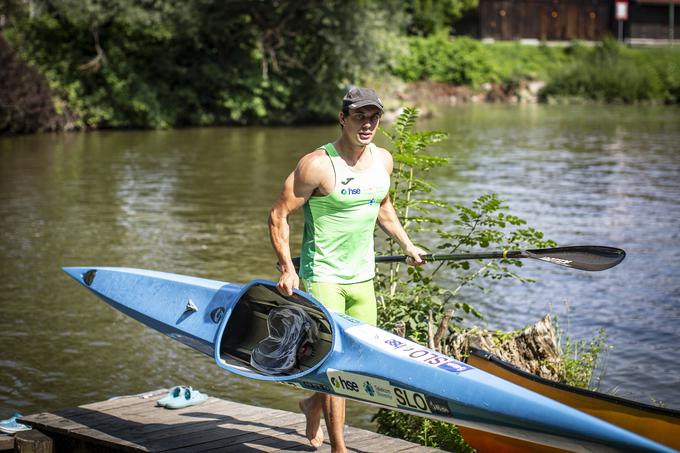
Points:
x=354 y=191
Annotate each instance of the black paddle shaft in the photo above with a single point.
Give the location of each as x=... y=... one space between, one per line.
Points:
x=583 y=257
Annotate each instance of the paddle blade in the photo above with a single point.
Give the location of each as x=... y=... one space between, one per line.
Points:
x=584 y=257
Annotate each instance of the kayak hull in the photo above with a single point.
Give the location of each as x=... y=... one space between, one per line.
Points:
x=350 y=359
x=657 y=423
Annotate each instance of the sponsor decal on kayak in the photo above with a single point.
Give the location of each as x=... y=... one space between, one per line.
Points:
x=316 y=386
x=405 y=348
x=380 y=391
x=367 y=388
x=438 y=406
x=411 y=400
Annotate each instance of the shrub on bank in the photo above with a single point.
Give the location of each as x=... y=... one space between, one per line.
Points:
x=465 y=61
x=614 y=73
x=607 y=72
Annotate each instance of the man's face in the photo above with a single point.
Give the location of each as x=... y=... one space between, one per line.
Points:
x=360 y=125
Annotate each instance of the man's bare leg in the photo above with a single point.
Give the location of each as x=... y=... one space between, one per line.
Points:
x=312 y=408
x=334 y=413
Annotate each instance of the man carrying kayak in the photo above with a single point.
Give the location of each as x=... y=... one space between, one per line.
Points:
x=343 y=188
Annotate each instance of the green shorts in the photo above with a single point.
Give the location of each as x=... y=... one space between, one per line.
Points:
x=355 y=299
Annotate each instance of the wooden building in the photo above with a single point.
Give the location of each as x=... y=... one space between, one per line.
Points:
x=566 y=20
x=651 y=19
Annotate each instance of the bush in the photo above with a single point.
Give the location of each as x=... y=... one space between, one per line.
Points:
x=462 y=61
x=431 y=433
x=613 y=73
x=26 y=103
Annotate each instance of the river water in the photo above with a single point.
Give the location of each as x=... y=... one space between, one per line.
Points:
x=196 y=201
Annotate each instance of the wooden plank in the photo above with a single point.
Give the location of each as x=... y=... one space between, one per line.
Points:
x=159 y=422
x=227 y=434
x=223 y=434
x=255 y=441
x=275 y=442
x=379 y=443
x=136 y=424
x=82 y=413
x=149 y=429
x=125 y=410
x=33 y=441
x=6 y=442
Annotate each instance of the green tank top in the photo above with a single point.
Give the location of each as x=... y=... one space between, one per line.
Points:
x=337 y=242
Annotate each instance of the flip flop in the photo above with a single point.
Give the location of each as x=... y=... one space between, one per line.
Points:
x=11 y=426
x=173 y=394
x=188 y=397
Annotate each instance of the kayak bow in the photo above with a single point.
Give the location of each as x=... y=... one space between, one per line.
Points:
x=347 y=358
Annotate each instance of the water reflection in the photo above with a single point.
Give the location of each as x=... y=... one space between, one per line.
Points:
x=196 y=201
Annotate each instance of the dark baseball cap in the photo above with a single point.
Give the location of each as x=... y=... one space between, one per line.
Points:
x=358 y=97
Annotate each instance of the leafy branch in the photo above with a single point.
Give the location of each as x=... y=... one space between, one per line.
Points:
x=413 y=297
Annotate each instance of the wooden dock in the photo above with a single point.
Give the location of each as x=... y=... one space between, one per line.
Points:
x=136 y=424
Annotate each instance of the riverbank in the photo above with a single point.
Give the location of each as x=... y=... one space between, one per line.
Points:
x=136 y=85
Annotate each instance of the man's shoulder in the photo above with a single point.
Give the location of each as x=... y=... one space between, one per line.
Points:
x=385 y=156
x=318 y=157
x=313 y=164
x=381 y=151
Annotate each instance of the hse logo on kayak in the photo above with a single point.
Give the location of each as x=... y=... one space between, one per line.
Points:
x=363 y=387
x=407 y=349
x=344 y=384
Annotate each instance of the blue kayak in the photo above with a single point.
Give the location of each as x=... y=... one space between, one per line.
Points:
x=254 y=331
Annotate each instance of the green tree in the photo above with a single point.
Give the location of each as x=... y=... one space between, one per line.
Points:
x=431 y=16
x=415 y=298
x=168 y=63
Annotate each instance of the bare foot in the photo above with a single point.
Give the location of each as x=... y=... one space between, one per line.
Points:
x=313 y=430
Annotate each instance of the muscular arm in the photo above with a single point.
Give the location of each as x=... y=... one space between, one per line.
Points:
x=298 y=187
x=389 y=220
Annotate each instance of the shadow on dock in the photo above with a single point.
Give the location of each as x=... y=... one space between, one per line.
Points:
x=135 y=423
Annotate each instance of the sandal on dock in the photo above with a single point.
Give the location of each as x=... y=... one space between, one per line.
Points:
x=173 y=394
x=188 y=397
x=11 y=425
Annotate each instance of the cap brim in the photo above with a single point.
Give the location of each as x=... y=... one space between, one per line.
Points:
x=359 y=104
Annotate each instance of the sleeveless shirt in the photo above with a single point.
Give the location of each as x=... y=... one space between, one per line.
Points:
x=337 y=242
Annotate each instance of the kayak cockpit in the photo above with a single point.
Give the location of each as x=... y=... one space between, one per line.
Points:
x=268 y=334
